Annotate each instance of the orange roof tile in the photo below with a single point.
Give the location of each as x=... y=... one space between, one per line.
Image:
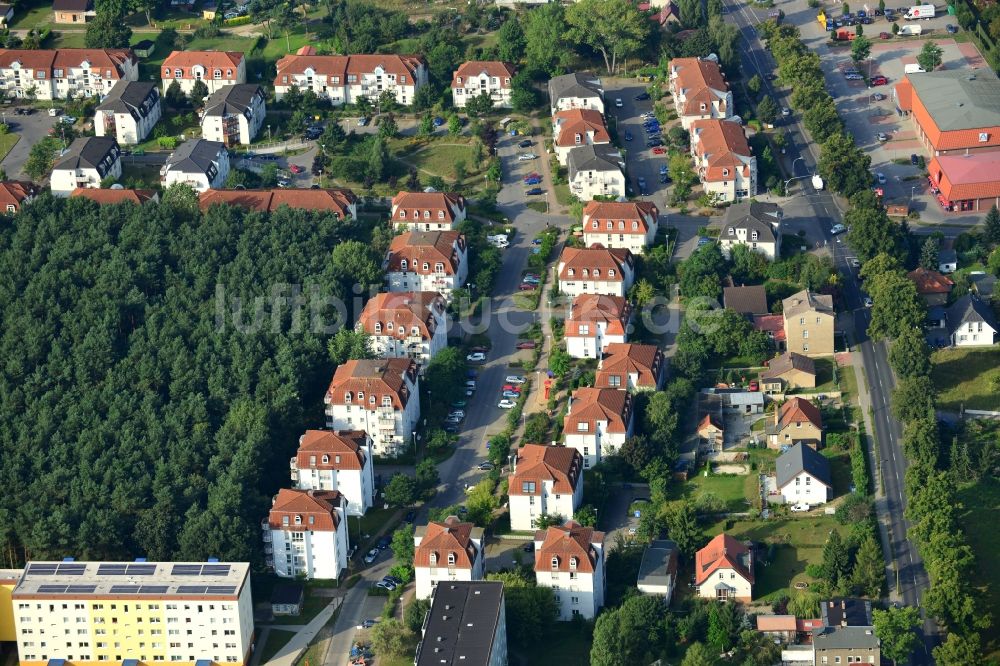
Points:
x=341 y=66
x=408 y=207
x=376 y=378
x=492 y=68
x=622 y=359
x=426 y=247
x=776 y=623
x=105 y=197
x=961 y=177
x=14 y=192
x=798 y=410
x=596 y=262
x=724 y=551
x=315 y=510
x=625 y=217
x=336 y=200
x=931 y=282
x=110 y=62
x=570 y=545
x=709 y=422
x=227 y=61
x=773 y=324
x=701 y=82
x=580 y=123
x=590 y=405
x=537 y=463
x=441 y=539
x=402 y=311
x=342 y=450
x=589 y=309
x=721 y=148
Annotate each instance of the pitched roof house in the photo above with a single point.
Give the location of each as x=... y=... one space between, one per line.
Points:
x=13 y=193
x=338 y=460
x=111 y=197
x=809 y=323
x=712 y=430
x=750 y=300
x=446 y=550
x=631 y=225
x=597 y=422
x=428 y=211
x=596 y=170
x=198 y=163
x=932 y=286
x=803 y=476
x=724 y=570
x=411 y=324
x=426 y=261
x=314 y=523
x=658 y=569
x=478 y=77
x=797 y=420
x=971 y=322
x=215 y=69
x=596 y=321
x=723 y=159
x=632 y=367
x=73 y=11
x=577 y=127
x=754 y=224
x=340 y=202
x=596 y=270
x=570 y=560
x=546 y=481
x=788 y=371
x=346 y=79
x=65 y=73
x=699 y=90
x=579 y=90
x=234 y=114
x=87 y=163
x=128 y=112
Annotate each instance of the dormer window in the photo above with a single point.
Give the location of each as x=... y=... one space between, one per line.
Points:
x=434 y=559
x=217 y=74
x=426 y=266
x=388 y=326
x=611 y=272
x=371 y=399
x=361 y=396
x=378 y=328
x=571 y=272
x=635 y=225
x=229 y=73
x=440 y=214
x=586 y=272
x=439 y=267
x=703 y=106
x=312 y=461
x=387 y=401
x=326 y=459
x=284 y=521
x=594 y=225
x=336 y=460
x=732 y=231
x=611 y=225
x=597 y=272
x=451 y=559
x=298 y=520
x=347 y=397
x=402 y=214
x=312 y=520
x=753 y=235
x=572 y=563
x=555 y=562
x=578 y=139
x=402 y=265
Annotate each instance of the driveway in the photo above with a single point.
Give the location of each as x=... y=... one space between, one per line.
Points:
x=640 y=160
x=31 y=129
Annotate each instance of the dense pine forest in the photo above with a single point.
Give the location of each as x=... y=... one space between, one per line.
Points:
x=131 y=422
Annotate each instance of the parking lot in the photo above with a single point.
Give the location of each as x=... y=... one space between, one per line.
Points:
x=32 y=129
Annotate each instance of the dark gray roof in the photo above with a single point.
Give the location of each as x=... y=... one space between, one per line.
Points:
x=72 y=5
x=461 y=624
x=659 y=563
x=601 y=157
x=92 y=152
x=801 y=458
x=984 y=284
x=577 y=84
x=959 y=99
x=287 y=594
x=854 y=612
x=232 y=100
x=753 y=216
x=751 y=299
x=133 y=97
x=197 y=156
x=970 y=308
x=947 y=256
x=844 y=638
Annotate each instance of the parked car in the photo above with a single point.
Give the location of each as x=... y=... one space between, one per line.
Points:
x=527 y=344
x=659 y=150
x=362 y=121
x=914 y=159
x=854 y=77
x=527 y=143
x=535 y=191
x=386 y=585
x=532 y=181
x=527 y=157
x=383 y=542
x=533 y=174
x=69 y=120
x=484 y=466
x=799 y=508
x=855 y=263
x=476 y=357
x=296 y=169
x=628 y=135
x=511 y=387
x=878 y=97
x=867 y=300
x=507 y=403
x=371 y=556
x=653 y=143
x=511 y=394
x=53 y=112
x=524 y=286
x=952 y=29
x=882 y=137
x=879 y=81
x=368 y=624
x=786 y=112
x=704 y=240
x=880 y=177
x=618 y=103
x=393 y=580
x=470 y=384
x=642 y=97
x=514 y=379
x=457 y=413
x=837 y=229
x=458 y=404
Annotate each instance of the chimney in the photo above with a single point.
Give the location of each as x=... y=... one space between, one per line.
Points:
x=843 y=604
x=843 y=622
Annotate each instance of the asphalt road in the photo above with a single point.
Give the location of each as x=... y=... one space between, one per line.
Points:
x=912 y=577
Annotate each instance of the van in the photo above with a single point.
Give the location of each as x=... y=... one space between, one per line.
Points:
x=910 y=30
x=914 y=69
x=919 y=12
x=54 y=112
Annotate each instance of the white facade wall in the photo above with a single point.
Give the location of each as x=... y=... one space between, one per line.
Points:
x=199 y=182
x=730 y=577
x=127 y=130
x=64 y=181
x=582 y=595
x=86 y=82
x=805 y=488
x=525 y=509
x=214 y=127
x=583 y=346
x=391 y=430
x=358 y=486
x=388 y=346
x=591 y=102
x=475 y=86
x=973 y=334
x=591 y=184
x=635 y=243
x=575 y=286
x=439 y=282
x=313 y=554
x=727 y=242
x=370 y=85
x=594 y=446
x=736 y=189
x=427 y=578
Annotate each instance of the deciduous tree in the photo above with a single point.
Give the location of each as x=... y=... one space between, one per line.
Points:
x=614 y=28
x=844 y=168
x=895 y=628
x=929 y=57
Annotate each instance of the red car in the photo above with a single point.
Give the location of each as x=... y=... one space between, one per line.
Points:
x=754 y=386
x=511 y=387
x=659 y=150
x=879 y=80
x=295 y=168
x=527 y=287
x=527 y=344
x=533 y=175
x=885 y=35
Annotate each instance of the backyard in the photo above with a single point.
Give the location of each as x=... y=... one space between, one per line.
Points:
x=981 y=500
x=437 y=157
x=967 y=378
x=732 y=489
x=276 y=639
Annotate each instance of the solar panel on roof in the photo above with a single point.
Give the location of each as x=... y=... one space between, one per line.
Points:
x=221 y=589
x=124 y=589
x=186 y=570
x=81 y=589
x=51 y=589
x=191 y=589
x=42 y=569
x=153 y=589
x=215 y=570
x=111 y=570
x=74 y=569
x=141 y=569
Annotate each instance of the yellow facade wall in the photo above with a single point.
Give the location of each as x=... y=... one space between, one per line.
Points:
x=7 y=631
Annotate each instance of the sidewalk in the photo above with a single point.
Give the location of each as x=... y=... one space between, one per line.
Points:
x=290 y=653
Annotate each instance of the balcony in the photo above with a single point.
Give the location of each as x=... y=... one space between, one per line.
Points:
x=268 y=550
x=265 y=526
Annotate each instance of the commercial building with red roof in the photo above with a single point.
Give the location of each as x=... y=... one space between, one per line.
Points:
x=628 y=225
x=13 y=193
x=64 y=73
x=577 y=127
x=596 y=270
x=597 y=423
x=427 y=211
x=547 y=481
x=338 y=460
x=406 y=324
x=346 y=79
x=631 y=367
x=427 y=261
x=378 y=396
x=479 y=77
x=341 y=202
x=724 y=570
x=570 y=560
x=699 y=90
x=594 y=322
x=305 y=534
x=216 y=69
x=966 y=182
x=110 y=197
x=444 y=551
x=723 y=160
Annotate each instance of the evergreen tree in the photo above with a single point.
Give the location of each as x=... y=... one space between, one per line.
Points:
x=991 y=230
x=929 y=254
x=869 y=568
x=836 y=560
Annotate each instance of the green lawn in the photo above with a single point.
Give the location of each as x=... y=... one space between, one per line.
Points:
x=563 y=195
x=981 y=501
x=371 y=522
x=31 y=15
x=966 y=378
x=730 y=488
x=310 y=609
x=139 y=176
x=7 y=141
x=438 y=157
x=840 y=470
x=824 y=376
x=276 y=639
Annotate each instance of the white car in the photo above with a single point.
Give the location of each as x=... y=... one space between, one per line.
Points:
x=837 y=229
x=867 y=300
x=471 y=385
x=513 y=379
x=506 y=403
x=880 y=177
x=372 y=555
x=799 y=508
x=618 y=102
x=476 y=357
x=362 y=121
x=526 y=157
x=786 y=112
x=456 y=413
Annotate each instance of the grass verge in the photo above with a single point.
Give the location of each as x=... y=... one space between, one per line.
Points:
x=7 y=142
x=966 y=378
x=979 y=501
x=276 y=639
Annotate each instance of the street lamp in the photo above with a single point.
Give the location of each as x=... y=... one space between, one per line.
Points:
x=269 y=133
x=794 y=177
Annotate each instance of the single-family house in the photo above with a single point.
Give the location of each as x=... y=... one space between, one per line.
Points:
x=129 y=112
x=755 y=224
x=783 y=628
x=631 y=367
x=630 y=225
x=596 y=321
x=971 y=322
x=724 y=570
x=803 y=476
x=546 y=481
x=577 y=127
x=198 y=163
x=73 y=11
x=87 y=163
x=483 y=77
x=596 y=171
x=933 y=287
x=658 y=569
x=597 y=423
x=596 y=270
x=699 y=90
x=797 y=420
x=809 y=323
x=569 y=559
x=749 y=300
x=426 y=261
x=234 y=114
x=788 y=372
x=338 y=460
x=446 y=551
x=579 y=90
x=846 y=645
x=723 y=160
x=947 y=260
x=407 y=324
x=712 y=432
x=216 y=69
x=427 y=211
x=15 y=193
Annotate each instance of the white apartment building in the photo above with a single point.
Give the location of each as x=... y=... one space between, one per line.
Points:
x=569 y=559
x=64 y=73
x=305 y=534
x=408 y=324
x=129 y=112
x=201 y=164
x=86 y=164
x=754 y=224
x=216 y=69
x=234 y=114
x=596 y=171
x=183 y=613
x=547 y=481
x=699 y=90
x=346 y=79
x=579 y=90
x=377 y=396
x=478 y=77
x=426 y=261
x=447 y=551
x=427 y=211
x=628 y=225
x=596 y=321
x=597 y=423
x=577 y=127
x=596 y=270
x=723 y=160
x=338 y=460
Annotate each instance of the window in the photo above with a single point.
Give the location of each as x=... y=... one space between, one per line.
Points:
x=402 y=265
x=571 y=272
x=615 y=381
x=584 y=329
x=378 y=328
x=347 y=398
x=326 y=459
x=451 y=559
x=611 y=272
x=583 y=426
x=217 y=74
x=433 y=559
x=528 y=487
x=427 y=266
x=555 y=562
x=178 y=73
x=572 y=563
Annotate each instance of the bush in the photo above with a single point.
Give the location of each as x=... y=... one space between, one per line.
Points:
x=167 y=142
x=239 y=20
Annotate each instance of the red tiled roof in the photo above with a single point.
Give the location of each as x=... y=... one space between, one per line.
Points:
x=316 y=510
x=709 y=421
x=402 y=310
x=226 y=61
x=622 y=359
x=537 y=463
x=105 y=197
x=590 y=405
x=932 y=282
x=579 y=122
x=776 y=623
x=700 y=80
x=719 y=146
x=798 y=410
x=342 y=448
x=724 y=551
x=408 y=207
x=378 y=377
x=621 y=215
x=492 y=68
x=109 y=62
x=594 y=263
x=426 y=247
x=590 y=309
x=14 y=192
x=441 y=539
x=338 y=201
x=773 y=324
x=904 y=94
x=961 y=177
x=566 y=543
x=332 y=65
